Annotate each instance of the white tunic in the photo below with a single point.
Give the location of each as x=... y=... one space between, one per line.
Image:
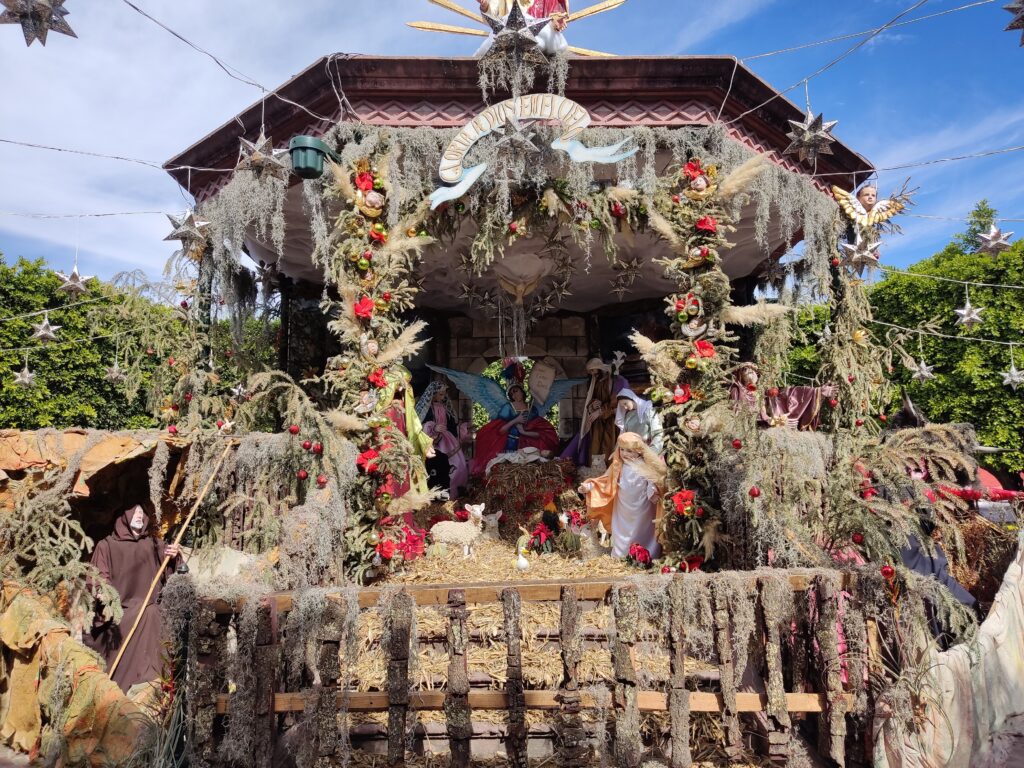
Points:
x=633 y=515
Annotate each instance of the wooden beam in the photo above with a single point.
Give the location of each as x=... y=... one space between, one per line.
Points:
x=490 y=592
x=431 y=26
x=649 y=701
x=607 y=5
x=456 y=8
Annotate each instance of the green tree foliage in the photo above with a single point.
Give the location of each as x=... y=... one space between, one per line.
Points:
x=968 y=384
x=71 y=389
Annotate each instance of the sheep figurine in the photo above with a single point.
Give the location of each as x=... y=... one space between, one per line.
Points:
x=462 y=534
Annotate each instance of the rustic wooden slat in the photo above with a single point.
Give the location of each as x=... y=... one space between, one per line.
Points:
x=678 y=697
x=571 y=747
x=518 y=734
x=723 y=645
x=458 y=715
x=490 y=592
x=628 y=746
x=777 y=722
x=832 y=722
x=649 y=701
x=397 y=697
x=267 y=661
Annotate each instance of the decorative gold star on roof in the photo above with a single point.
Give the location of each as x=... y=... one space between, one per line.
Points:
x=37 y=18
x=810 y=138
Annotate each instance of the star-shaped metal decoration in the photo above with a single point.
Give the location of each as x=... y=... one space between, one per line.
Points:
x=115 y=375
x=45 y=332
x=25 y=378
x=1013 y=378
x=825 y=336
x=37 y=18
x=996 y=241
x=516 y=24
x=238 y=392
x=73 y=284
x=517 y=133
x=861 y=254
x=922 y=371
x=560 y=289
x=1017 y=9
x=189 y=230
x=968 y=315
x=810 y=138
x=261 y=158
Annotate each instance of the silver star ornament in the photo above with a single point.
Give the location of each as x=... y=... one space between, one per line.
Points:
x=968 y=315
x=37 y=18
x=861 y=254
x=996 y=241
x=73 y=284
x=189 y=230
x=44 y=331
x=1013 y=378
x=1017 y=9
x=516 y=25
x=25 y=378
x=115 y=375
x=810 y=138
x=922 y=371
x=261 y=158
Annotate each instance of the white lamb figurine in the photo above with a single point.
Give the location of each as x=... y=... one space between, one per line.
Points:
x=462 y=534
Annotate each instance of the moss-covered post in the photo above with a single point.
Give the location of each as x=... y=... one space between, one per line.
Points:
x=571 y=738
x=678 y=694
x=456 y=702
x=399 y=639
x=628 y=746
x=329 y=636
x=723 y=646
x=516 y=741
x=832 y=723
x=775 y=594
x=267 y=657
x=207 y=661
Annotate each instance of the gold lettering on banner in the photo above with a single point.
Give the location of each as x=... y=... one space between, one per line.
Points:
x=537 y=106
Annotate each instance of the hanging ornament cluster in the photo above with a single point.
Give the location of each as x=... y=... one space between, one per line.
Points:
x=968 y=315
x=37 y=18
x=996 y=241
x=810 y=138
x=261 y=158
x=1017 y=9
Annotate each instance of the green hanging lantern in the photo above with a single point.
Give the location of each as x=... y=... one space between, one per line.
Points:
x=308 y=153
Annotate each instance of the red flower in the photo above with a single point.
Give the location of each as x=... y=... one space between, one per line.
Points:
x=575 y=519
x=378 y=237
x=363 y=308
x=386 y=549
x=377 y=379
x=540 y=535
x=462 y=515
x=681 y=394
x=683 y=501
x=692 y=170
x=705 y=348
x=639 y=554
x=364 y=181
x=692 y=563
x=707 y=224
x=413 y=543
x=367 y=460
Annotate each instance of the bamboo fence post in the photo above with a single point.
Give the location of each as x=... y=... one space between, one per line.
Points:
x=166 y=560
x=517 y=742
x=399 y=642
x=678 y=695
x=456 y=704
x=628 y=746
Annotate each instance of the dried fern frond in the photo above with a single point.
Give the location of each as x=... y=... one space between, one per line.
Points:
x=346 y=423
x=663 y=366
x=761 y=313
x=664 y=227
x=741 y=179
x=342 y=181
x=405 y=346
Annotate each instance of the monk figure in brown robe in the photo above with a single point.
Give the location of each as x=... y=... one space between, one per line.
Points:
x=129 y=559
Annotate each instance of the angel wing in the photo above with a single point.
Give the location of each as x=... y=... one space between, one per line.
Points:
x=851 y=206
x=559 y=389
x=479 y=389
x=885 y=210
x=881 y=213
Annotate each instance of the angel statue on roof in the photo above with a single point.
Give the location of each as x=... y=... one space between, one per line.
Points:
x=550 y=38
x=517 y=412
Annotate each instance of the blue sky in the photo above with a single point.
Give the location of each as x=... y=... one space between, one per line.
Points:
x=946 y=86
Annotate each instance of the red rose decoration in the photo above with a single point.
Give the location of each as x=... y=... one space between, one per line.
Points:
x=364 y=181
x=377 y=379
x=707 y=224
x=682 y=394
x=691 y=564
x=683 y=501
x=639 y=554
x=386 y=549
x=363 y=308
x=692 y=170
x=413 y=543
x=705 y=348
x=378 y=237
x=666 y=569
x=367 y=460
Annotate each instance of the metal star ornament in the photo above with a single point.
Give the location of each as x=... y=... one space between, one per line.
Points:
x=189 y=230
x=37 y=18
x=261 y=158
x=25 y=378
x=1013 y=378
x=861 y=254
x=238 y=392
x=73 y=284
x=968 y=315
x=922 y=371
x=516 y=25
x=45 y=332
x=996 y=241
x=115 y=375
x=811 y=138
x=518 y=133
x=1017 y=9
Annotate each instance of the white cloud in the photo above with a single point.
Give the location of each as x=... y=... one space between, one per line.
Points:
x=710 y=19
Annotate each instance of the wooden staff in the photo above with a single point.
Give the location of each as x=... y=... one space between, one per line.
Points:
x=167 y=559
